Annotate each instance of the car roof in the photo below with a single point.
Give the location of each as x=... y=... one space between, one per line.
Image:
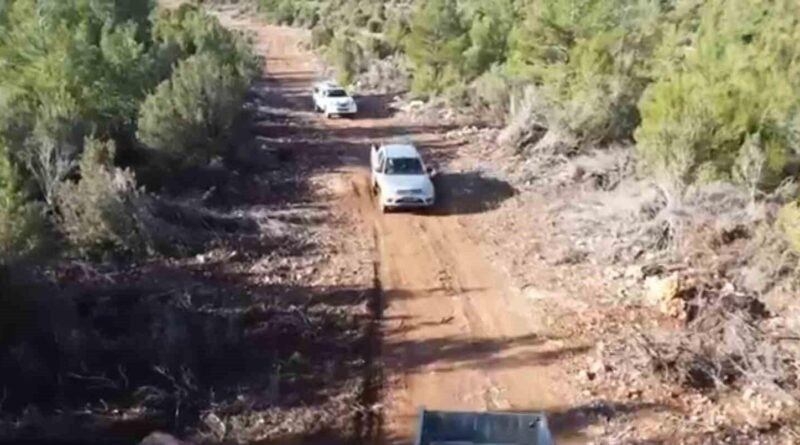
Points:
x=400 y=151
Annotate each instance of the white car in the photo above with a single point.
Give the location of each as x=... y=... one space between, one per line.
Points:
x=333 y=100
x=400 y=178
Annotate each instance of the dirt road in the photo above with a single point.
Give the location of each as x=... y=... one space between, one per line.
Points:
x=454 y=334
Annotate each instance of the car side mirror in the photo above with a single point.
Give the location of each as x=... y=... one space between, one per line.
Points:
x=431 y=171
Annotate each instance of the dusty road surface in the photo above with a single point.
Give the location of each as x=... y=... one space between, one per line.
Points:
x=453 y=334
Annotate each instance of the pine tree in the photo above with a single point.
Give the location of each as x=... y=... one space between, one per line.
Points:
x=490 y=28
x=436 y=44
x=188 y=116
x=738 y=81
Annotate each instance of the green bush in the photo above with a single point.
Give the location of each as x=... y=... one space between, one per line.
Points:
x=489 y=30
x=87 y=62
x=279 y=11
x=375 y=48
x=86 y=67
x=395 y=32
x=24 y=231
x=788 y=223
x=375 y=25
x=491 y=94
x=360 y=18
x=306 y=15
x=599 y=112
x=736 y=81
x=189 y=116
x=424 y=82
x=345 y=55
x=321 y=36
x=591 y=60
x=104 y=211
x=435 y=46
x=193 y=31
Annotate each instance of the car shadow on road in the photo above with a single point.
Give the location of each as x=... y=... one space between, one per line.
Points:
x=376 y=106
x=469 y=193
x=450 y=354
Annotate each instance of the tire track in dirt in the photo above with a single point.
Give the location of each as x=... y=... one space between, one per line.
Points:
x=369 y=424
x=491 y=399
x=455 y=335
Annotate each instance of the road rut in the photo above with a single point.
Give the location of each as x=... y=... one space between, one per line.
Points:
x=456 y=336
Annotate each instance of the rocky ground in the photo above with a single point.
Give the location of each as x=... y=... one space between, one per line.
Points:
x=617 y=304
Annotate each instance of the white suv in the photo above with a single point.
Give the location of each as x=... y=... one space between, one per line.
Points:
x=400 y=178
x=333 y=100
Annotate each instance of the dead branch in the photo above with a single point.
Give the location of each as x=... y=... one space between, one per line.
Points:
x=124 y=377
x=99 y=381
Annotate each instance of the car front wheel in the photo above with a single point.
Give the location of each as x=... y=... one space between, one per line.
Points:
x=381 y=205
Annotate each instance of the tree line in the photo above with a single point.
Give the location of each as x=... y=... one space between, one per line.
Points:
x=704 y=90
x=697 y=84
x=98 y=100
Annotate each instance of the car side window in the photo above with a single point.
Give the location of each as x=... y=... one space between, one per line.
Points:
x=316 y=90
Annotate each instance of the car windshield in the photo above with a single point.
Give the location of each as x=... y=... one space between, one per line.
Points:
x=337 y=93
x=403 y=166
